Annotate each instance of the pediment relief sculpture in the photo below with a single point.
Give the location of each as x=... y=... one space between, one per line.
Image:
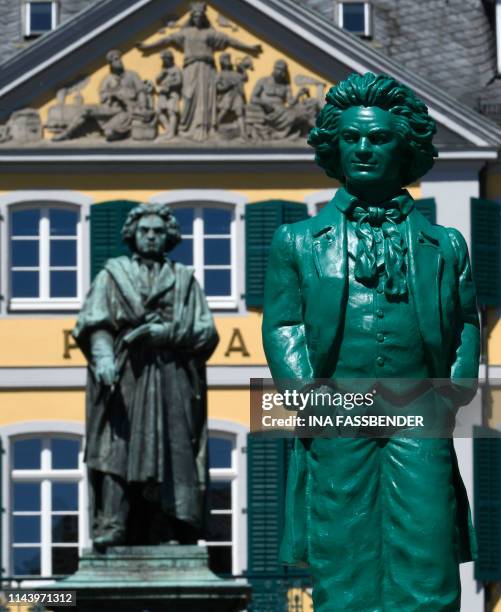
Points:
x=204 y=101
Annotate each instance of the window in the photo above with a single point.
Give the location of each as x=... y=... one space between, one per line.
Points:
x=46 y=507
x=318 y=200
x=222 y=503
x=40 y=17
x=45 y=257
x=208 y=247
x=355 y=17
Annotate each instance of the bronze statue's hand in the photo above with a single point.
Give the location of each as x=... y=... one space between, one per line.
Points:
x=106 y=371
x=256 y=49
x=158 y=334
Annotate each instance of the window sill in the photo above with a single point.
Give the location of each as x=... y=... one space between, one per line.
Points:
x=34 y=35
x=222 y=303
x=28 y=304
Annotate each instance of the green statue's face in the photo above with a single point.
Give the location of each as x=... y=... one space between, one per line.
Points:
x=151 y=236
x=371 y=151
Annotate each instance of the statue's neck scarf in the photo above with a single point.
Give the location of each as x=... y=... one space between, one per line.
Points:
x=387 y=217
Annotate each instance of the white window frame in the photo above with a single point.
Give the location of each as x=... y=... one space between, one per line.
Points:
x=44 y=199
x=207 y=198
x=367 y=16
x=237 y=434
x=44 y=430
x=28 y=32
x=315 y=200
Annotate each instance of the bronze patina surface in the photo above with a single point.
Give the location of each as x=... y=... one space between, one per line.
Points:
x=147 y=331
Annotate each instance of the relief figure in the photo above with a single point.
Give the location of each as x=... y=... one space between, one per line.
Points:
x=169 y=87
x=199 y=41
x=274 y=112
x=120 y=91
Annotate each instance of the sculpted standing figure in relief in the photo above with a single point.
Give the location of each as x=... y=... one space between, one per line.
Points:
x=230 y=91
x=199 y=41
x=369 y=289
x=169 y=87
x=146 y=331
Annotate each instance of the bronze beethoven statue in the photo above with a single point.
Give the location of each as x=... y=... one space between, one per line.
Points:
x=147 y=332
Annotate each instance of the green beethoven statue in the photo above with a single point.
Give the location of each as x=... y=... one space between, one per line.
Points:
x=369 y=289
x=146 y=331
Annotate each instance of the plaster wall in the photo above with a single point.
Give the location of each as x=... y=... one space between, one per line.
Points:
x=39 y=405
x=143 y=186
x=25 y=406
x=30 y=342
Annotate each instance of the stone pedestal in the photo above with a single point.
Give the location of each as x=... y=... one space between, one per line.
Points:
x=169 y=578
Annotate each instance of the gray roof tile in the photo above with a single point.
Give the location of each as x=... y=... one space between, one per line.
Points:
x=449 y=42
x=11 y=24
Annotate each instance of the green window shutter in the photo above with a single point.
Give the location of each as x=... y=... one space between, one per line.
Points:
x=266 y=501
x=261 y=221
x=106 y=222
x=268 y=460
x=485 y=250
x=292 y=212
x=266 y=490
x=428 y=208
x=487 y=503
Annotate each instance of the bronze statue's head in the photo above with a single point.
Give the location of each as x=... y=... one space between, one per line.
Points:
x=373 y=128
x=151 y=230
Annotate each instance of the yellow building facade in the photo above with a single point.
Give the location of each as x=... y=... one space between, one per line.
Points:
x=43 y=374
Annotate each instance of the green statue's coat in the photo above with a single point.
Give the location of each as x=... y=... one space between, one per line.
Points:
x=306 y=290
x=382 y=523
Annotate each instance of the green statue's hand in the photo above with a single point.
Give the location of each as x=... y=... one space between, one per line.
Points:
x=153 y=334
x=106 y=371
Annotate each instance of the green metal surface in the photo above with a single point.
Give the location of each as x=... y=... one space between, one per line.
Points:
x=162 y=577
x=382 y=523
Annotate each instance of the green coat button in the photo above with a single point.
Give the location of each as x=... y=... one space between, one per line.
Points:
x=380 y=313
x=380 y=361
x=380 y=337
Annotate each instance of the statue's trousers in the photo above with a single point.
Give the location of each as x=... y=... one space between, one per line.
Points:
x=382 y=528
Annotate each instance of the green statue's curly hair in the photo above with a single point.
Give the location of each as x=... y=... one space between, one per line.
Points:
x=414 y=126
